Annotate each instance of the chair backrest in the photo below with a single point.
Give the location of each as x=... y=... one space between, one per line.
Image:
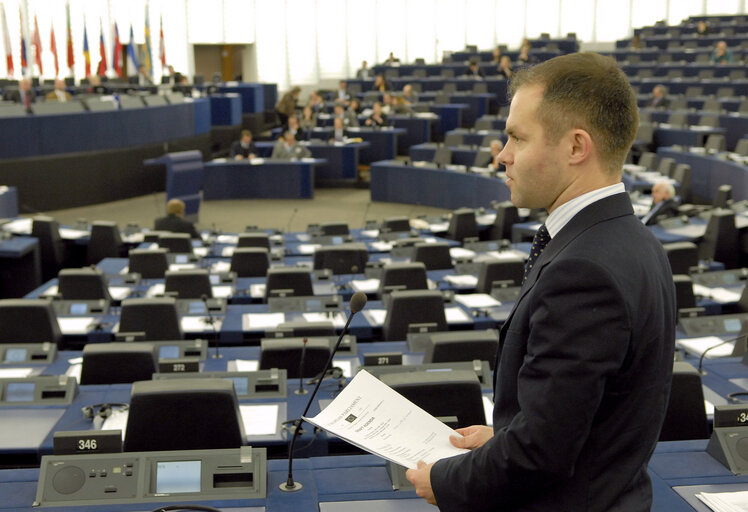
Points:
x=295 y=282
x=683 y=256
x=484 y=124
x=396 y=224
x=682 y=174
x=51 y=247
x=105 y=241
x=118 y=363
x=506 y=216
x=715 y=142
x=666 y=166
x=149 y=263
x=686 y=414
x=188 y=283
x=678 y=118
x=342 y=259
x=250 y=261
x=693 y=91
x=645 y=133
x=253 y=240
x=723 y=198
x=175 y=242
x=82 y=284
x=453 y=139
x=183 y=414
x=334 y=228
x=720 y=240
x=434 y=255
x=286 y=354
x=28 y=321
x=480 y=88
x=741 y=147
x=725 y=92
x=449 y=87
x=402 y=276
x=462 y=224
x=482 y=158
x=684 y=297
x=711 y=105
x=648 y=160
x=510 y=269
x=156 y=318
x=451 y=346
x=412 y=307
x=443 y=156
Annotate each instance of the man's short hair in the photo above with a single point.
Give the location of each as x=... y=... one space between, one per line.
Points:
x=175 y=207
x=246 y=133
x=587 y=91
x=660 y=87
x=667 y=187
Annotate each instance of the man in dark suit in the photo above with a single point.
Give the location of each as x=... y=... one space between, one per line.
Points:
x=664 y=204
x=174 y=220
x=584 y=364
x=659 y=97
x=244 y=147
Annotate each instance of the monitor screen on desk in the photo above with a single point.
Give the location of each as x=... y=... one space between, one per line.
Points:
x=19 y=392
x=78 y=308
x=196 y=308
x=174 y=477
x=733 y=324
x=215 y=279
x=15 y=355
x=181 y=258
x=241 y=385
x=168 y=352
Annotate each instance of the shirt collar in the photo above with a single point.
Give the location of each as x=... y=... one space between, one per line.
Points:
x=561 y=216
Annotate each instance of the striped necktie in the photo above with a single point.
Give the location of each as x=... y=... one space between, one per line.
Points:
x=541 y=239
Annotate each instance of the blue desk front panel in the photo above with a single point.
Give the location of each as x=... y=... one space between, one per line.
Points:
x=9 y=203
x=383 y=143
x=708 y=172
x=252 y=96
x=272 y=179
x=225 y=109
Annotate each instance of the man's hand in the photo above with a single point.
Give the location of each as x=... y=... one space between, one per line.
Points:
x=239 y=157
x=473 y=436
x=421 y=479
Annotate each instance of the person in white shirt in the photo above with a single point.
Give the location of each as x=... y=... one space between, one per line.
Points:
x=59 y=93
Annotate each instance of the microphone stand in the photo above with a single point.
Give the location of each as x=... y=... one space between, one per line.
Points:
x=358 y=301
x=301 y=390
x=704 y=353
x=212 y=323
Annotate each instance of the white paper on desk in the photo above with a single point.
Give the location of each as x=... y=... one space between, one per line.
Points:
x=227 y=239
x=477 y=300
x=116 y=421
x=222 y=291
x=74 y=370
x=455 y=315
x=75 y=324
x=15 y=373
x=719 y=293
x=371 y=415
x=370 y=233
x=133 y=238
x=725 y=501
x=251 y=321
x=119 y=292
x=257 y=290
x=125 y=270
x=382 y=246
x=259 y=420
x=486 y=218
x=697 y=346
x=220 y=266
x=365 y=285
x=506 y=255
x=308 y=248
x=72 y=234
x=201 y=251
x=51 y=291
x=200 y=324
x=228 y=252
x=303 y=237
x=462 y=280
x=338 y=319
x=243 y=365
x=439 y=226
x=156 y=290
x=182 y=266
x=461 y=252
x=488 y=410
x=19 y=226
x=375 y=316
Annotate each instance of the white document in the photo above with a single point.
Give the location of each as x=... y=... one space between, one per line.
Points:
x=365 y=285
x=455 y=315
x=50 y=291
x=243 y=365
x=488 y=410
x=227 y=252
x=461 y=252
x=338 y=319
x=477 y=300
x=257 y=290
x=462 y=280
x=439 y=226
x=220 y=266
x=200 y=324
x=75 y=324
x=375 y=316
x=372 y=416
x=697 y=346
x=370 y=233
x=252 y=321
x=227 y=239
x=157 y=290
x=259 y=420
x=725 y=501
x=720 y=294
x=308 y=248
x=72 y=234
x=119 y=292
x=19 y=226
x=15 y=373
x=382 y=246
x=74 y=370
x=222 y=291
x=201 y=251
x=182 y=266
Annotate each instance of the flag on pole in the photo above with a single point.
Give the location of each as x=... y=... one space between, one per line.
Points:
x=131 y=50
x=101 y=70
x=53 y=48
x=71 y=55
x=8 y=49
x=161 y=45
x=86 y=53
x=147 y=56
x=37 y=43
x=24 y=60
x=117 y=57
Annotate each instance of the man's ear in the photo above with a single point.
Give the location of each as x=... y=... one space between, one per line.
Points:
x=580 y=146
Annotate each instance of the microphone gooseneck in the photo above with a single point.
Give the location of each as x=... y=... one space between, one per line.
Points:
x=704 y=353
x=357 y=303
x=212 y=322
x=301 y=390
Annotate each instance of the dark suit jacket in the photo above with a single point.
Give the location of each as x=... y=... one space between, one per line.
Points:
x=582 y=377
x=175 y=224
x=663 y=210
x=662 y=102
x=237 y=149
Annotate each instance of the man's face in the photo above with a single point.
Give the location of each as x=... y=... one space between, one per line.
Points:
x=495 y=149
x=658 y=194
x=246 y=139
x=658 y=92
x=535 y=174
x=290 y=140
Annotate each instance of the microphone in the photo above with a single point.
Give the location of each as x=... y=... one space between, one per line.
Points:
x=301 y=390
x=704 y=353
x=293 y=214
x=212 y=322
x=357 y=303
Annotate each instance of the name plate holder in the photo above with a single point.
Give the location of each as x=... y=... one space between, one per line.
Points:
x=729 y=441
x=270 y=383
x=39 y=390
x=25 y=353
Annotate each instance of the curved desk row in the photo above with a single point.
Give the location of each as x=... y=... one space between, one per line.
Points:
x=397 y=183
x=270 y=179
x=709 y=172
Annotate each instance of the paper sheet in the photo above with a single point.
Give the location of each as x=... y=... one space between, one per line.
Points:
x=74 y=370
x=259 y=420
x=720 y=294
x=375 y=316
x=19 y=226
x=75 y=324
x=200 y=324
x=119 y=292
x=256 y=321
x=243 y=365
x=370 y=415
x=455 y=315
x=227 y=252
x=15 y=373
x=72 y=234
x=725 y=501
x=477 y=300
x=201 y=251
x=51 y=291
x=227 y=239
x=220 y=266
x=365 y=285
x=382 y=246
x=488 y=410
x=257 y=290
x=222 y=291
x=338 y=319
x=697 y=346
x=308 y=248
x=461 y=252
x=370 y=233
x=157 y=290
x=462 y=280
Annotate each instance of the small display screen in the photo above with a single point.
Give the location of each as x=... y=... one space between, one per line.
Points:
x=313 y=305
x=197 y=308
x=19 y=392
x=178 y=476
x=215 y=279
x=168 y=352
x=493 y=246
x=180 y=258
x=337 y=240
x=15 y=355
x=78 y=308
x=240 y=386
x=732 y=324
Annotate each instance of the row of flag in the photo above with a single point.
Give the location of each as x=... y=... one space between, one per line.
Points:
x=102 y=67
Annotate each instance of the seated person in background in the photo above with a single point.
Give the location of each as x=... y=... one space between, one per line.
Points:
x=387 y=108
x=287 y=149
x=308 y=121
x=94 y=85
x=391 y=59
x=474 y=70
x=286 y=107
x=721 y=55
x=348 y=117
x=59 y=93
x=505 y=67
x=702 y=29
x=341 y=95
x=380 y=84
x=244 y=147
x=316 y=102
x=664 y=204
x=377 y=117
x=293 y=126
x=496 y=59
x=355 y=107
x=25 y=94
x=400 y=106
x=338 y=133
x=143 y=77
x=636 y=42
x=409 y=95
x=174 y=220
x=364 y=73
x=496 y=147
x=659 y=97
x=524 y=57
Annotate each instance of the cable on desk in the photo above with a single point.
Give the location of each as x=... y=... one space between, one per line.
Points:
x=186 y=507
